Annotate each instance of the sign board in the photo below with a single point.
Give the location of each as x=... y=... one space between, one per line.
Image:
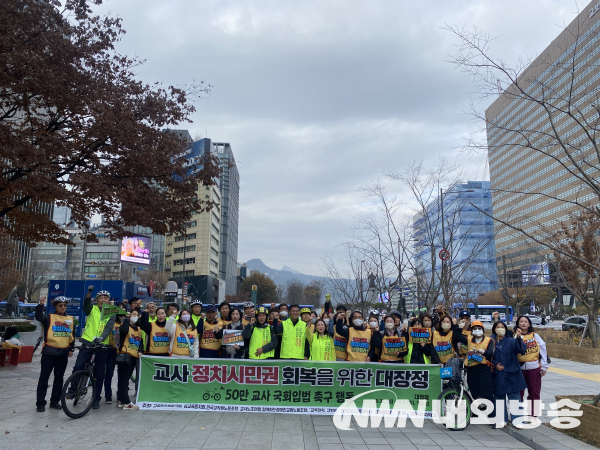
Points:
x=254 y=294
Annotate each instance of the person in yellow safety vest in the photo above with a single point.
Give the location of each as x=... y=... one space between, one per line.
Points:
x=340 y=342
x=284 y=314
x=224 y=318
x=479 y=362
x=196 y=306
x=306 y=317
x=445 y=339
x=248 y=313
x=464 y=323
x=321 y=343
x=392 y=345
x=293 y=335
x=59 y=343
x=96 y=332
x=173 y=310
x=421 y=353
x=357 y=335
x=261 y=335
x=183 y=335
x=210 y=345
x=130 y=343
x=157 y=336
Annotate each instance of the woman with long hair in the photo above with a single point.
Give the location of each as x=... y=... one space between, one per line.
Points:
x=320 y=341
x=388 y=346
x=420 y=353
x=130 y=343
x=184 y=336
x=234 y=351
x=157 y=341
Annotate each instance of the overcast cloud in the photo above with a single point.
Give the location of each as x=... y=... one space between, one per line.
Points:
x=320 y=97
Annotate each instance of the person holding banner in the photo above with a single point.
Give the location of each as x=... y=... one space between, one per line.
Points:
x=420 y=348
x=183 y=335
x=224 y=309
x=129 y=344
x=262 y=336
x=293 y=335
x=157 y=341
x=196 y=306
x=321 y=343
x=392 y=345
x=98 y=327
x=234 y=351
x=479 y=362
x=357 y=336
x=210 y=345
x=59 y=343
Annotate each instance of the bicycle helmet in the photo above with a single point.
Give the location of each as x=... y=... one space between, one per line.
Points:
x=60 y=299
x=262 y=310
x=248 y=305
x=305 y=310
x=100 y=293
x=195 y=302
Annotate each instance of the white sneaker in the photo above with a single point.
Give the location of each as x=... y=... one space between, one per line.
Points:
x=131 y=407
x=120 y=405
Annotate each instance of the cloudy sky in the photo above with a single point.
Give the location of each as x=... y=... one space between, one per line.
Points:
x=318 y=98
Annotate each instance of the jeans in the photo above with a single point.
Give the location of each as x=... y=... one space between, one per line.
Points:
x=85 y=354
x=124 y=372
x=50 y=363
x=108 y=373
x=507 y=398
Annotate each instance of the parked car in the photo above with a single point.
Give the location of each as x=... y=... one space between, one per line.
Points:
x=535 y=320
x=574 y=323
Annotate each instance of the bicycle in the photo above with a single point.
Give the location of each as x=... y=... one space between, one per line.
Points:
x=78 y=401
x=214 y=394
x=455 y=391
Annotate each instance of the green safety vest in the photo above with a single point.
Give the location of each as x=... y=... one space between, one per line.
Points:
x=260 y=337
x=293 y=340
x=322 y=348
x=426 y=358
x=94 y=326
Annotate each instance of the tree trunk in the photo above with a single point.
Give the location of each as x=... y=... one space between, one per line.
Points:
x=596 y=400
x=593 y=323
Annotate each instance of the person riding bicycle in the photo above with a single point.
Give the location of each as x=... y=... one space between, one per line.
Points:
x=59 y=343
x=96 y=332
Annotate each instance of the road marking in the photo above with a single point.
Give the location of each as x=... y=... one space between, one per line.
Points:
x=571 y=373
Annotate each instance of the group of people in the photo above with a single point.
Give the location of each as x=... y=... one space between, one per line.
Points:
x=501 y=366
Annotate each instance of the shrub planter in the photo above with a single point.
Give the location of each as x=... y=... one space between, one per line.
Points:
x=591 y=416
x=574 y=353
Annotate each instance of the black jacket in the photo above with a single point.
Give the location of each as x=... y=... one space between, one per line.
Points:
x=242 y=353
x=44 y=319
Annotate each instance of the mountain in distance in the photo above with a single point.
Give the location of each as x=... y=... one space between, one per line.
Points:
x=282 y=276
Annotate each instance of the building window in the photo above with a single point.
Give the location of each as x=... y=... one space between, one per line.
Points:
x=215 y=229
x=213 y=264
x=212 y=274
x=182 y=238
x=214 y=252
x=189 y=248
x=214 y=241
x=192 y=224
x=99 y=255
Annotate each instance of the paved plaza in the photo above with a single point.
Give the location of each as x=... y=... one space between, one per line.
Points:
x=111 y=427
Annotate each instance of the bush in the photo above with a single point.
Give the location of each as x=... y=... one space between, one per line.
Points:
x=572 y=337
x=23 y=327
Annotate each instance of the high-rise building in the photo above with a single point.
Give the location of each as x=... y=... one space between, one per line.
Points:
x=230 y=205
x=534 y=145
x=468 y=236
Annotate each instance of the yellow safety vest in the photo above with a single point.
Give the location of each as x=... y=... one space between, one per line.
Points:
x=533 y=350
x=322 y=348
x=392 y=345
x=293 y=340
x=196 y=319
x=209 y=341
x=132 y=342
x=341 y=346
x=158 y=340
x=260 y=337
x=443 y=345
x=180 y=343
x=60 y=335
x=94 y=326
x=359 y=343
x=474 y=359
x=407 y=358
x=223 y=323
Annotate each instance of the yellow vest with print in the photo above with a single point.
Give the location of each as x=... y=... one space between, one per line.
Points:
x=293 y=340
x=260 y=337
x=474 y=359
x=341 y=346
x=392 y=345
x=158 y=340
x=533 y=350
x=132 y=342
x=209 y=341
x=94 y=326
x=443 y=345
x=359 y=342
x=322 y=348
x=464 y=349
x=180 y=345
x=60 y=335
x=223 y=323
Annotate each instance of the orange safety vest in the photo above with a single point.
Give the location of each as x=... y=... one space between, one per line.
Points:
x=132 y=342
x=475 y=358
x=392 y=345
x=60 y=334
x=359 y=342
x=208 y=341
x=443 y=345
x=158 y=340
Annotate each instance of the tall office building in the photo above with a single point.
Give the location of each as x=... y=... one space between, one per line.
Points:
x=230 y=206
x=468 y=234
x=533 y=146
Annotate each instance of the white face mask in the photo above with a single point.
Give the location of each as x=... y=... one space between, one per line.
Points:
x=477 y=333
x=389 y=326
x=283 y=314
x=427 y=324
x=314 y=319
x=500 y=332
x=373 y=324
x=446 y=326
x=185 y=317
x=358 y=322
x=133 y=319
x=326 y=321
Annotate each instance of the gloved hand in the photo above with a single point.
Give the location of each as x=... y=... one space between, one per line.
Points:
x=97 y=340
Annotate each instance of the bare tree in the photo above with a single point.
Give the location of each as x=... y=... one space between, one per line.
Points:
x=37 y=275
x=313 y=293
x=294 y=292
x=279 y=294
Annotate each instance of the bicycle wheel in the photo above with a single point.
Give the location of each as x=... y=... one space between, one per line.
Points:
x=81 y=398
x=452 y=395
x=206 y=396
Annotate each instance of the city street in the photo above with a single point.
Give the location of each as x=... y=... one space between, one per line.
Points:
x=22 y=427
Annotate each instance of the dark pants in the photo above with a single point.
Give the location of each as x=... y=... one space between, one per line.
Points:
x=481 y=382
x=124 y=372
x=50 y=363
x=108 y=373
x=533 y=380
x=83 y=357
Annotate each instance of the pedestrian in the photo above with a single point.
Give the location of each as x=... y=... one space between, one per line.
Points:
x=224 y=318
x=534 y=364
x=391 y=346
x=183 y=336
x=157 y=342
x=234 y=351
x=262 y=338
x=113 y=338
x=293 y=335
x=59 y=342
x=340 y=342
x=130 y=344
x=96 y=332
x=444 y=338
x=507 y=374
x=321 y=343
x=478 y=362
x=421 y=353
x=356 y=334
x=210 y=345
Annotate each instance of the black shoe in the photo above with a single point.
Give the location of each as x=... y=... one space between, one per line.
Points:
x=96 y=405
x=70 y=395
x=55 y=406
x=109 y=400
x=40 y=409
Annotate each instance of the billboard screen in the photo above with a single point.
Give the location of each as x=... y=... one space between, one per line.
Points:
x=136 y=249
x=536 y=274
